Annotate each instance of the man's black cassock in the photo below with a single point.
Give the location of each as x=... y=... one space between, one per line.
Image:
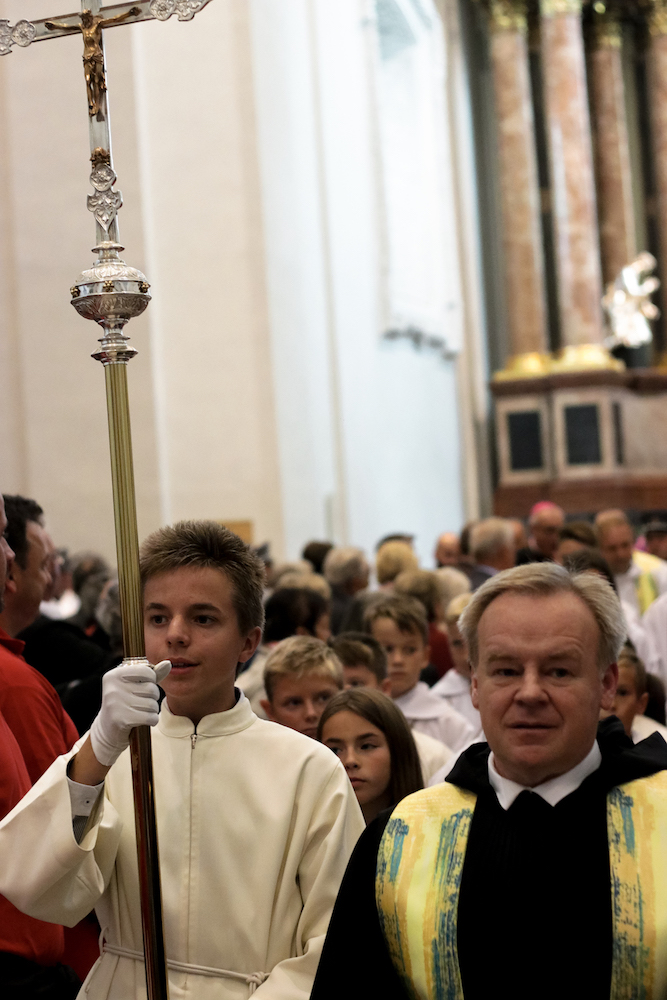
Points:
x=534 y=917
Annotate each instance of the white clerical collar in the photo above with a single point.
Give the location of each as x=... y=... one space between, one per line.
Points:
x=551 y=791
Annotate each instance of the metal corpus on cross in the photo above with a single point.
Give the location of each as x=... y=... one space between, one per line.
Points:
x=111 y=293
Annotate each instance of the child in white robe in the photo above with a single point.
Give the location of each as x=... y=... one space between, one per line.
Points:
x=301 y=675
x=454 y=687
x=399 y=625
x=256 y=822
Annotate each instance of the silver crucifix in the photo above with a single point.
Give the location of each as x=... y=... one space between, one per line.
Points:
x=104 y=203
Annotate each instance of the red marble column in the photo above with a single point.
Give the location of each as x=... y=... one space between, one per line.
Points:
x=616 y=207
x=520 y=193
x=573 y=187
x=658 y=105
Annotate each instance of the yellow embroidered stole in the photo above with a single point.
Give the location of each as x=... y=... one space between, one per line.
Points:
x=418 y=878
x=637 y=832
x=647 y=591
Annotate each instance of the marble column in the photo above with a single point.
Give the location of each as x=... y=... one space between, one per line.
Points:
x=616 y=207
x=657 y=77
x=573 y=188
x=520 y=193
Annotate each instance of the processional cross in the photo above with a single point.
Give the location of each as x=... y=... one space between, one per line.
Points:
x=111 y=293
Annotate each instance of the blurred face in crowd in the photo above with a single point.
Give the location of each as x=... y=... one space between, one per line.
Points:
x=616 y=545
x=360 y=582
x=322 y=629
x=31 y=582
x=364 y=753
x=459 y=650
x=566 y=547
x=656 y=544
x=55 y=563
x=537 y=684
x=448 y=550
x=298 y=702
x=503 y=558
x=627 y=703
x=520 y=537
x=190 y=619
x=544 y=530
x=407 y=654
x=6 y=553
x=362 y=676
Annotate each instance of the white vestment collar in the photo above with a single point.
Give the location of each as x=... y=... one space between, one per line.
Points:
x=240 y=717
x=420 y=703
x=633 y=573
x=551 y=791
x=452 y=683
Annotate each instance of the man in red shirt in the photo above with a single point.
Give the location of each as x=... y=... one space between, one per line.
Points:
x=34 y=730
x=30 y=705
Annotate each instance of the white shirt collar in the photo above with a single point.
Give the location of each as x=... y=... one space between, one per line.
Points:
x=631 y=573
x=551 y=791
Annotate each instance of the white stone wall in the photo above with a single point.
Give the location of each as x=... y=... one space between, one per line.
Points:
x=249 y=152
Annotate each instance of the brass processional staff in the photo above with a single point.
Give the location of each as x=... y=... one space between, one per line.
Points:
x=111 y=293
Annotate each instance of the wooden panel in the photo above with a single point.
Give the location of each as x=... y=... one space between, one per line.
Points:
x=642 y=380
x=586 y=495
x=244 y=529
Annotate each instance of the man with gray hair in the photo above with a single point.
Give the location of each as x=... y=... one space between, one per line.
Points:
x=346 y=570
x=537 y=868
x=492 y=549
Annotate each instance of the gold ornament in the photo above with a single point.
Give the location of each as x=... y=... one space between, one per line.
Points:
x=657 y=17
x=584 y=358
x=508 y=15
x=555 y=8
x=530 y=365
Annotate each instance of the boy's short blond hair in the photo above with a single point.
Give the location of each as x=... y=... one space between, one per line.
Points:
x=393 y=558
x=301 y=656
x=456 y=608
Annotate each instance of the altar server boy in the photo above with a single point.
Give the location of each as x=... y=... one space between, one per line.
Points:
x=256 y=821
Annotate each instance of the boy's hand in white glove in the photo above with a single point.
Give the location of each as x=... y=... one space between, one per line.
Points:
x=130 y=697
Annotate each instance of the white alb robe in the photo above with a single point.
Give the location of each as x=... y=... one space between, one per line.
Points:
x=433 y=754
x=454 y=688
x=256 y=824
x=655 y=626
x=432 y=715
x=643 y=727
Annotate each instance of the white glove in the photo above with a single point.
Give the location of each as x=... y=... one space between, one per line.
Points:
x=130 y=697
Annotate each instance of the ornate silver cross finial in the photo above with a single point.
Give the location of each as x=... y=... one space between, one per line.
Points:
x=104 y=204
x=186 y=9
x=23 y=33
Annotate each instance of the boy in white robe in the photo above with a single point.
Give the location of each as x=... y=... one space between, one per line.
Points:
x=399 y=625
x=256 y=822
x=454 y=687
x=301 y=676
x=631 y=699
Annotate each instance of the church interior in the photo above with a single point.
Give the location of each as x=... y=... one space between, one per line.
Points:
x=378 y=234
x=390 y=665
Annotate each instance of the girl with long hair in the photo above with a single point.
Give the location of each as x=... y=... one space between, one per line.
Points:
x=372 y=738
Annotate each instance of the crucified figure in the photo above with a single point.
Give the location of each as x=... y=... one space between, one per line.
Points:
x=93 y=56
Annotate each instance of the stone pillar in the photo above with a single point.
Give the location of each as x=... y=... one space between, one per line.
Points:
x=657 y=82
x=616 y=208
x=573 y=188
x=520 y=193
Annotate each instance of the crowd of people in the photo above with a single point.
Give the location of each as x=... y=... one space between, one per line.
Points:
x=384 y=681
